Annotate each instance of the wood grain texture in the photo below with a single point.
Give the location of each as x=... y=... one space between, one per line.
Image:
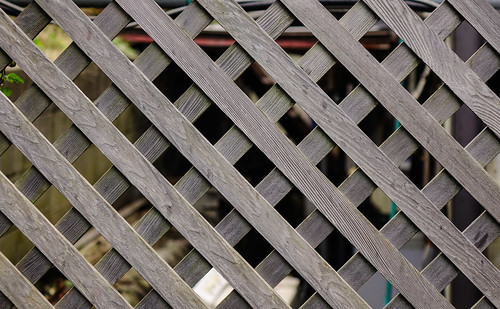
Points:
x=72 y=143
x=227 y=178
x=464 y=83
x=70 y=183
x=279 y=150
x=426 y=130
x=42 y=234
x=19 y=290
x=141 y=173
x=483 y=17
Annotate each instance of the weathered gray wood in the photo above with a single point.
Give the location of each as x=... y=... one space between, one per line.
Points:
x=226 y=178
x=396 y=184
x=290 y=161
x=72 y=143
x=151 y=144
x=483 y=17
x=42 y=233
x=19 y=289
x=426 y=130
x=32 y=20
x=482 y=232
x=33 y=101
x=71 y=184
x=464 y=83
x=140 y=171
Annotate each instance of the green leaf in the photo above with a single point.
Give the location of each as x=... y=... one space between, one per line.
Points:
x=14 y=78
x=6 y=90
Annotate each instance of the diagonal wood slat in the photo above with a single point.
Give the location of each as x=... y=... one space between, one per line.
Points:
x=41 y=232
x=115 y=146
x=479 y=273
x=435 y=231
x=211 y=168
x=226 y=179
x=19 y=289
x=278 y=151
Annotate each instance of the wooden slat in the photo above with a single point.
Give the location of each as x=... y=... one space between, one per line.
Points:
x=290 y=161
x=216 y=169
x=140 y=171
x=33 y=101
x=426 y=130
x=19 y=289
x=192 y=103
x=42 y=233
x=464 y=83
x=483 y=17
x=71 y=184
x=72 y=143
x=357 y=271
x=32 y=20
x=404 y=188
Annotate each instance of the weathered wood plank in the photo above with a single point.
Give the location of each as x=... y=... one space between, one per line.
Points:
x=426 y=130
x=42 y=234
x=226 y=178
x=33 y=101
x=19 y=290
x=464 y=83
x=290 y=161
x=483 y=17
x=140 y=172
x=32 y=20
x=70 y=183
x=72 y=143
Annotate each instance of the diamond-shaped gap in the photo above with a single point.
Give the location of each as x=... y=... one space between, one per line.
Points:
x=92 y=164
x=13 y=163
x=54 y=285
x=132 y=123
x=14 y=244
x=52 y=40
x=464 y=294
x=466 y=40
x=380 y=40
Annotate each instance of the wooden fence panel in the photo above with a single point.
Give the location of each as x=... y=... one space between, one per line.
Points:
x=254 y=126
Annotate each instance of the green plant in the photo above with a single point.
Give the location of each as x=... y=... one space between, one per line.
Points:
x=12 y=78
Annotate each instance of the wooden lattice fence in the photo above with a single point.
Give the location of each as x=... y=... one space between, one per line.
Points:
x=423 y=41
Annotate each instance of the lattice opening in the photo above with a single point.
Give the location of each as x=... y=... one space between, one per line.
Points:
x=132 y=287
x=92 y=81
x=254 y=166
x=132 y=123
x=172 y=164
x=54 y=285
x=14 y=244
x=92 y=164
x=52 y=40
x=13 y=163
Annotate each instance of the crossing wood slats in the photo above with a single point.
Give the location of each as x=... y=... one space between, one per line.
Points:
x=33 y=101
x=96 y=210
x=225 y=178
x=483 y=17
x=398 y=101
x=464 y=83
x=278 y=150
x=193 y=185
x=72 y=143
x=434 y=222
x=125 y=157
x=275 y=102
x=19 y=289
x=42 y=233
